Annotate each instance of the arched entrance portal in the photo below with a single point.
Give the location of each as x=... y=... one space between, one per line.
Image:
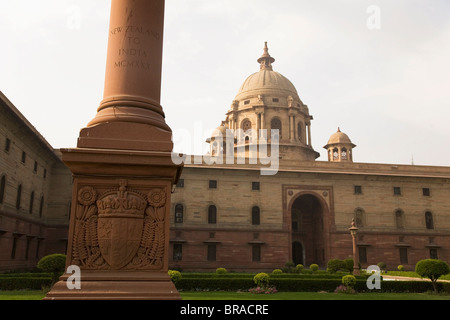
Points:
x=307 y=231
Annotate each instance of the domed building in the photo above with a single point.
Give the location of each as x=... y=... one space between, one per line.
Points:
x=268 y=103
x=228 y=212
x=262 y=197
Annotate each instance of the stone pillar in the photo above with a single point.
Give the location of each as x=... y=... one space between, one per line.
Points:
x=309 y=135
x=123 y=171
x=291 y=127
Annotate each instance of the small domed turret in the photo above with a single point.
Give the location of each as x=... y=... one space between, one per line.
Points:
x=340 y=147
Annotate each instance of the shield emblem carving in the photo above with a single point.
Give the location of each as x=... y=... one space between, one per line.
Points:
x=120 y=225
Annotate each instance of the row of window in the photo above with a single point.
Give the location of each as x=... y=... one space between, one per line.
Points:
x=399 y=219
x=396 y=190
x=403 y=254
x=211 y=252
x=29 y=240
x=358 y=190
x=23 y=159
x=212 y=214
x=19 y=197
x=212 y=184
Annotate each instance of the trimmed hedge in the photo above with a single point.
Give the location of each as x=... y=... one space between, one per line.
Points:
x=302 y=285
x=25 y=275
x=272 y=276
x=24 y=283
x=202 y=284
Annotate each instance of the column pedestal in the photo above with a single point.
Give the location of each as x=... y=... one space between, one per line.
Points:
x=123 y=171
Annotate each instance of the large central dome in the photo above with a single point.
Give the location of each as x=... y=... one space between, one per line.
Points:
x=266 y=81
x=267 y=104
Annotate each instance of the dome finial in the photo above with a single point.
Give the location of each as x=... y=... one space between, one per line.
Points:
x=266 y=60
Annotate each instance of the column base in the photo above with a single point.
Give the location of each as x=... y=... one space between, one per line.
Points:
x=116 y=288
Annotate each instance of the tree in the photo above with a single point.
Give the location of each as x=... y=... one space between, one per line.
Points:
x=54 y=264
x=432 y=269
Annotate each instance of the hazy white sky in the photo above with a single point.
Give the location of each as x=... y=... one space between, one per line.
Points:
x=388 y=88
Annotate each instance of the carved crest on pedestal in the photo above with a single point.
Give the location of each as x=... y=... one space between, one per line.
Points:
x=119 y=229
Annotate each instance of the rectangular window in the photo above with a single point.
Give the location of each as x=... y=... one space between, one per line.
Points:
x=24 y=157
x=212 y=252
x=14 y=247
x=256 y=253
x=433 y=254
x=358 y=189
x=177 y=252
x=276 y=100
x=362 y=254
x=397 y=191
x=256 y=186
x=7 y=145
x=35 y=168
x=426 y=192
x=403 y=255
x=213 y=184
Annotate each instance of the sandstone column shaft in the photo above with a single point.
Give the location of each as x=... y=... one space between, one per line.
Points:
x=132 y=90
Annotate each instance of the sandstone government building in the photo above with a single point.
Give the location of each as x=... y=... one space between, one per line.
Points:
x=230 y=215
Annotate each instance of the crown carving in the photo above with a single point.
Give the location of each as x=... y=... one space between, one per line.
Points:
x=122 y=202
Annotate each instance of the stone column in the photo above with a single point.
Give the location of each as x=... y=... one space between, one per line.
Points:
x=309 y=134
x=291 y=127
x=132 y=88
x=123 y=171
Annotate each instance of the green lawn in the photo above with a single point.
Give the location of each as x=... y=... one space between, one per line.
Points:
x=22 y=295
x=38 y=295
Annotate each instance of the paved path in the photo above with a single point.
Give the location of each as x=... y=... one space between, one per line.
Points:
x=397 y=278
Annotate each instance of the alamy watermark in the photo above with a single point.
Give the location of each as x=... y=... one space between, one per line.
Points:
x=374 y=281
x=239 y=147
x=74 y=281
x=374 y=19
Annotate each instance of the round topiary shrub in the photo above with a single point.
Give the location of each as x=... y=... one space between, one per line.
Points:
x=401 y=268
x=432 y=269
x=221 y=271
x=299 y=268
x=54 y=264
x=277 y=271
x=314 y=267
x=349 y=281
x=335 y=265
x=262 y=280
x=175 y=276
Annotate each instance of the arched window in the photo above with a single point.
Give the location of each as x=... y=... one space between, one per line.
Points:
x=212 y=214
x=335 y=154
x=179 y=213
x=2 y=188
x=359 y=218
x=399 y=219
x=344 y=154
x=19 y=196
x=429 y=220
x=256 y=216
x=276 y=125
